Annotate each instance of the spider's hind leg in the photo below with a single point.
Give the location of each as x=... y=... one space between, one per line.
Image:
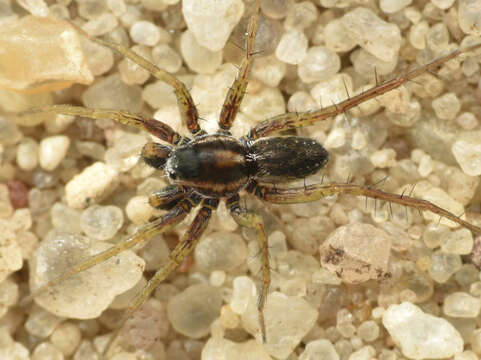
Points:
x=254 y=221
x=238 y=89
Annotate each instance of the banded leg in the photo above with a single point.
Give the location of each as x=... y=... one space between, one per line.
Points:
x=181 y=251
x=155 y=227
x=187 y=107
x=315 y=192
x=254 y=221
x=154 y=127
x=296 y=120
x=237 y=90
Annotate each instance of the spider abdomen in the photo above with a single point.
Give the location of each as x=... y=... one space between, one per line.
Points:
x=284 y=158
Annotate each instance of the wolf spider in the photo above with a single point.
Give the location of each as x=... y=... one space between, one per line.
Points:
x=208 y=168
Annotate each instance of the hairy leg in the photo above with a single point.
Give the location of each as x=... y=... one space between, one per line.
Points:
x=237 y=91
x=296 y=120
x=187 y=107
x=315 y=192
x=157 y=226
x=254 y=221
x=155 y=127
x=181 y=251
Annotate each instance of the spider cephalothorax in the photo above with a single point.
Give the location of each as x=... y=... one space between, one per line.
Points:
x=206 y=169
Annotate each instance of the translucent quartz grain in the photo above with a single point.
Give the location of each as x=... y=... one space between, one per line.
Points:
x=145 y=33
x=301 y=15
x=198 y=58
x=166 y=58
x=130 y=72
x=380 y=38
x=102 y=25
x=21 y=68
x=139 y=211
x=467 y=151
x=219 y=348
x=461 y=305
x=66 y=338
x=292 y=47
x=220 y=251
x=417 y=34
x=421 y=335
x=307 y=234
x=65 y=218
x=337 y=37
x=368 y=66
x=45 y=351
x=457 y=242
x=99 y=58
x=97 y=286
x=35 y=7
x=192 y=311
x=467 y=120
x=243 y=290
x=101 y=222
x=211 y=21
x=52 y=150
x=112 y=93
x=319 y=349
x=392 y=6
x=443 y=4
x=469 y=13
x=9 y=132
x=365 y=252
x=267 y=103
x=288 y=319
x=443 y=266
x=368 y=330
x=81 y=191
x=319 y=64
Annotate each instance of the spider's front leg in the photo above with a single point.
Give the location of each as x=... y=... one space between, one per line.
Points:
x=238 y=89
x=254 y=221
x=181 y=251
x=315 y=192
x=188 y=110
x=154 y=127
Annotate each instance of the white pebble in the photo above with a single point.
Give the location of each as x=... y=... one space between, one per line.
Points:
x=319 y=349
x=52 y=151
x=218 y=348
x=319 y=64
x=380 y=38
x=461 y=305
x=101 y=222
x=383 y=158
x=392 y=6
x=200 y=59
x=469 y=15
x=97 y=286
x=446 y=106
x=243 y=289
x=421 y=335
x=211 y=21
x=292 y=47
x=27 y=154
x=92 y=185
x=468 y=155
x=145 y=33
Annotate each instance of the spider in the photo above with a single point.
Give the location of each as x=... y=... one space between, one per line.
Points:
x=206 y=168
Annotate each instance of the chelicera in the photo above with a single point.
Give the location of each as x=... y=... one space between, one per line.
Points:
x=206 y=168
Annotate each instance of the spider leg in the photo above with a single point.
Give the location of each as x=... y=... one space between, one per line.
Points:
x=181 y=251
x=237 y=90
x=296 y=120
x=187 y=107
x=254 y=221
x=154 y=127
x=315 y=192
x=157 y=226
